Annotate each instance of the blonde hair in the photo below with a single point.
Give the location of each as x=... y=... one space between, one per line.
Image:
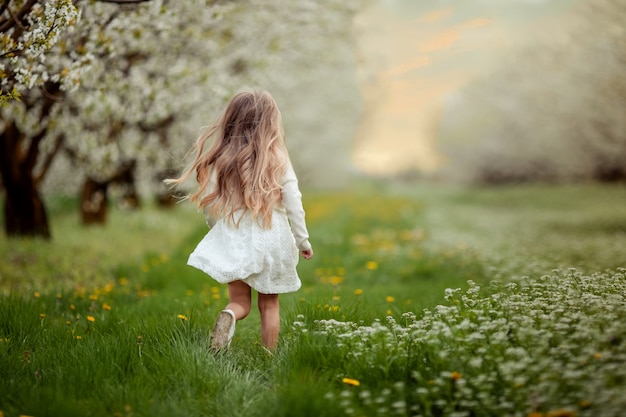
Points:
x=246 y=160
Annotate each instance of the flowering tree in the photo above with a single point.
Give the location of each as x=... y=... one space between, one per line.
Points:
x=158 y=71
x=28 y=31
x=46 y=49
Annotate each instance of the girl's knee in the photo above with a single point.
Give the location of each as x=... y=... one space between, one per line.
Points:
x=243 y=310
x=239 y=299
x=267 y=302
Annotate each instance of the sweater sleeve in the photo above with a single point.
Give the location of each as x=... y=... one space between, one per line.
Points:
x=292 y=202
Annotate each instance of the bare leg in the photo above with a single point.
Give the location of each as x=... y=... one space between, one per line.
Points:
x=270 y=319
x=240 y=299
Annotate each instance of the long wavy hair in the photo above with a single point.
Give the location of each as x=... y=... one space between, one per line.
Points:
x=243 y=166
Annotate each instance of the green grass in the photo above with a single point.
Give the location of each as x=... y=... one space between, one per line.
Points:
x=111 y=322
x=531 y=229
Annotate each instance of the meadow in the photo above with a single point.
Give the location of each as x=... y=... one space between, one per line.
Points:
x=420 y=301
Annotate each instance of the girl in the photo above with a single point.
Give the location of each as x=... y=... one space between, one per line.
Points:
x=249 y=193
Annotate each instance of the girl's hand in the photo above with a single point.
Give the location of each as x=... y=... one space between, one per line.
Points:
x=307 y=254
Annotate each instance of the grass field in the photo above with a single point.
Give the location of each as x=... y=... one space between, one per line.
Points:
x=110 y=321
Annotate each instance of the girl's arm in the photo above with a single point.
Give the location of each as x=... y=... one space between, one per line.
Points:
x=292 y=201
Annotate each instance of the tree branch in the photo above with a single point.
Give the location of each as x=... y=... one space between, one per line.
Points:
x=4 y=6
x=11 y=52
x=29 y=161
x=17 y=18
x=162 y=124
x=50 y=89
x=49 y=158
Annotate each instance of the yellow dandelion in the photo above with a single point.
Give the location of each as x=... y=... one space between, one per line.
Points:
x=42 y=315
x=371 y=265
x=334 y=308
x=72 y=307
x=597 y=356
x=108 y=287
x=389 y=312
x=59 y=296
x=107 y=307
x=351 y=381
x=91 y=319
x=182 y=317
x=455 y=375
x=123 y=281
x=78 y=337
x=390 y=299
x=216 y=295
x=36 y=294
x=93 y=297
x=358 y=291
x=336 y=298
x=336 y=280
x=67 y=322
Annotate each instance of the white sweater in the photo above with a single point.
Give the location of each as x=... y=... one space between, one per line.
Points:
x=292 y=205
x=292 y=202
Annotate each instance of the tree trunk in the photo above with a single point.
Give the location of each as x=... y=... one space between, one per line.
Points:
x=24 y=210
x=23 y=166
x=94 y=202
x=125 y=181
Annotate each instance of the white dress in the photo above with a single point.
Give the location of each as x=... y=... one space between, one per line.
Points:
x=265 y=259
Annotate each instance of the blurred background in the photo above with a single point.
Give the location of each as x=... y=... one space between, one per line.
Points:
x=493 y=91
x=103 y=107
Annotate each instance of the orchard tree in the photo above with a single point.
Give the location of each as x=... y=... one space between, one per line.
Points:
x=139 y=91
x=44 y=120
x=159 y=71
x=39 y=67
x=172 y=69
x=28 y=31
